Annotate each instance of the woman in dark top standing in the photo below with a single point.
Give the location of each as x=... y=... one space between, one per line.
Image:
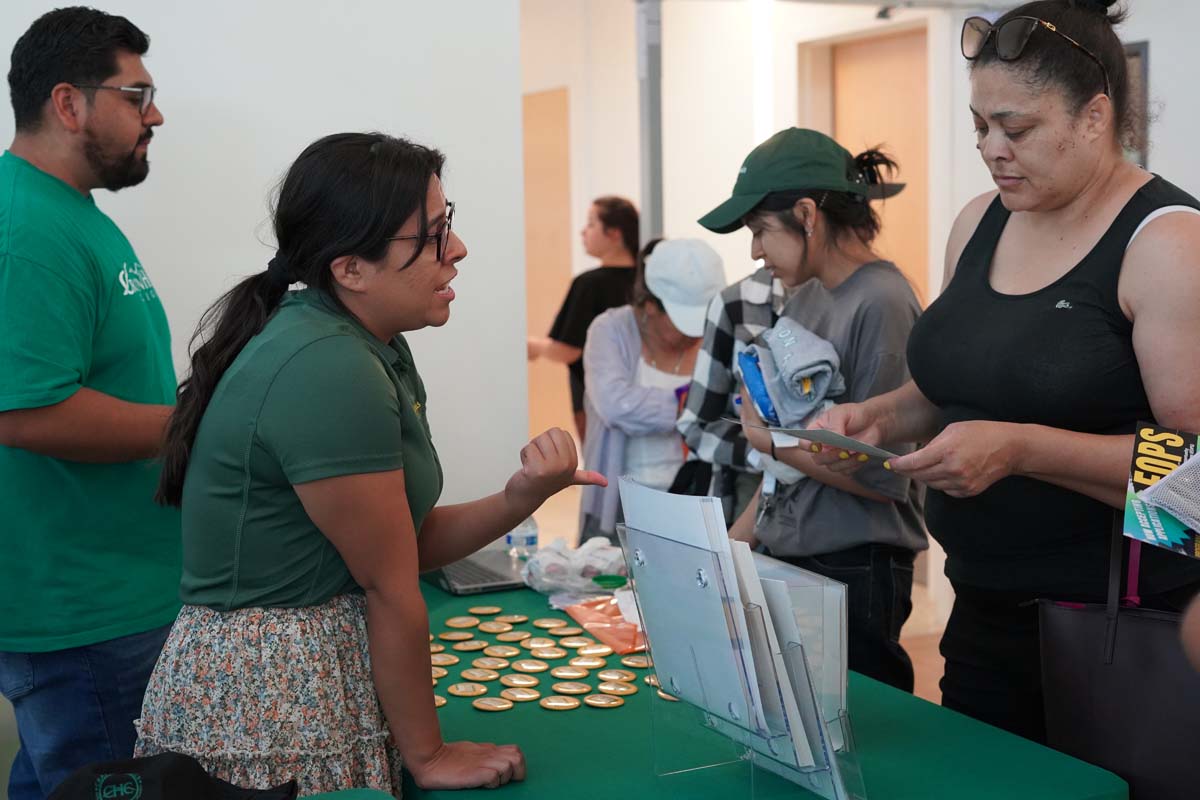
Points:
x=611 y=235
x=1068 y=313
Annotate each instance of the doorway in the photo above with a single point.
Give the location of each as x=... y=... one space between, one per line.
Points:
x=880 y=97
x=548 y=233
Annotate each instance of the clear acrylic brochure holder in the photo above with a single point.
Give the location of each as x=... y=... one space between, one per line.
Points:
x=720 y=731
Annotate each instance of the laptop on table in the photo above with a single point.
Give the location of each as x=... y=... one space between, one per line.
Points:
x=491 y=569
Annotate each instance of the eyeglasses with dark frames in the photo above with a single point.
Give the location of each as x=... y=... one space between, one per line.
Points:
x=145 y=93
x=1012 y=36
x=441 y=235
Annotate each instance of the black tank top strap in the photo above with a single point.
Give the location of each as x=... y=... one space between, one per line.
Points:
x=1103 y=264
x=976 y=260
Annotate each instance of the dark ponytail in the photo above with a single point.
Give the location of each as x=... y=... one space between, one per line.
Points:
x=345 y=195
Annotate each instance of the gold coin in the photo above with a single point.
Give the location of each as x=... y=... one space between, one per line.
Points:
x=569 y=673
x=513 y=619
x=520 y=694
x=455 y=636
x=617 y=688
x=443 y=659
x=467 y=689
x=601 y=650
x=484 y=611
x=666 y=696
x=530 y=665
x=431 y=637
x=652 y=680
x=479 y=674
x=616 y=675
x=494 y=627
x=550 y=622
x=588 y=662
x=462 y=622
x=537 y=642
x=501 y=651
x=492 y=704
x=557 y=702
x=434 y=681
x=438 y=701
x=436 y=648
x=548 y=652
x=513 y=636
x=571 y=687
x=637 y=662
x=490 y=663
x=575 y=641
x=603 y=701
x=519 y=681
x=439 y=672
x=468 y=646
x=566 y=630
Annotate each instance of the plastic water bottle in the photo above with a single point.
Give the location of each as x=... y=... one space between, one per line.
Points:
x=522 y=540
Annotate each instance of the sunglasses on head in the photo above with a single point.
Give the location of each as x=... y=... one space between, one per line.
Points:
x=1012 y=36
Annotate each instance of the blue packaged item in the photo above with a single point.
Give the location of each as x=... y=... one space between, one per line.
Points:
x=752 y=377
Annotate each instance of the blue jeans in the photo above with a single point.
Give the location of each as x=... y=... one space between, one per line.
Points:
x=75 y=707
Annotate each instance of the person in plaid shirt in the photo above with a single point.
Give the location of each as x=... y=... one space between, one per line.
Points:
x=737 y=315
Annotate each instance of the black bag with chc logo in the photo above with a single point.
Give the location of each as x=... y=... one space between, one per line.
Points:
x=167 y=776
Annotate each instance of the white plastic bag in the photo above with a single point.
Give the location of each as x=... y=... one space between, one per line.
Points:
x=558 y=568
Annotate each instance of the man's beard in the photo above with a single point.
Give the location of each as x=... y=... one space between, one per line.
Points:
x=115 y=173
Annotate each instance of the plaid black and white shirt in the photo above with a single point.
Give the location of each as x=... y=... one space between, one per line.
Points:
x=737 y=315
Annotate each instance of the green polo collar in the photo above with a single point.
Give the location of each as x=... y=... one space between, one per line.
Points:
x=392 y=352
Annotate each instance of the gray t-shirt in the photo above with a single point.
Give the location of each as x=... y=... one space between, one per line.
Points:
x=867 y=319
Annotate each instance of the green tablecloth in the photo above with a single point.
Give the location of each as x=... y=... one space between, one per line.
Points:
x=909 y=749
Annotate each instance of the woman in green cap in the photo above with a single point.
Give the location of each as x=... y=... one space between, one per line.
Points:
x=806 y=200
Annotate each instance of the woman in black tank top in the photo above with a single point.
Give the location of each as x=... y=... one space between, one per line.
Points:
x=1067 y=316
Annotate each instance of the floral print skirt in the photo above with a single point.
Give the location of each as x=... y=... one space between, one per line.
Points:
x=260 y=696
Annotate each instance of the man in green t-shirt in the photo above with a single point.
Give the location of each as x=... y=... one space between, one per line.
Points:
x=89 y=571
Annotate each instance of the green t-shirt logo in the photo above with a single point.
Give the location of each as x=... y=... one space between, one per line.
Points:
x=134 y=280
x=121 y=786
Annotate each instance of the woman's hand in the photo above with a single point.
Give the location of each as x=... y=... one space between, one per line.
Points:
x=549 y=464
x=469 y=765
x=757 y=438
x=856 y=420
x=966 y=458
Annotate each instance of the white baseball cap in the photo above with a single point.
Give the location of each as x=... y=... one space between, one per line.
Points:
x=685 y=274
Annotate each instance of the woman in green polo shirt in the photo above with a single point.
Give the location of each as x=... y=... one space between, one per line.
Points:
x=301 y=456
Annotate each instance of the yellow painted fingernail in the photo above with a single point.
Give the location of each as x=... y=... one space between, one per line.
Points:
x=816 y=448
x=843 y=455
x=887 y=465
x=862 y=457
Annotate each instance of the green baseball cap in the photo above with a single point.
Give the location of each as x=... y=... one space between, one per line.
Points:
x=791 y=160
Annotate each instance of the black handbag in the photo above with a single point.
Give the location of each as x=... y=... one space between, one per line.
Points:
x=1119 y=691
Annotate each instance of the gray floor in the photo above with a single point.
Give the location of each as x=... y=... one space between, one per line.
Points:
x=8 y=744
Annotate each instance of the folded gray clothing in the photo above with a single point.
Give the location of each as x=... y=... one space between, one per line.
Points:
x=800 y=369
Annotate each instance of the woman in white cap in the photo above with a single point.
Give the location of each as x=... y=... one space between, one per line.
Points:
x=638 y=363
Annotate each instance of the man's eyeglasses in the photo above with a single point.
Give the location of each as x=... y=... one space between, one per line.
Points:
x=441 y=235
x=145 y=94
x=1011 y=38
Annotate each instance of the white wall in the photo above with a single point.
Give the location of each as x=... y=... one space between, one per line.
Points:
x=245 y=86
x=589 y=47
x=708 y=117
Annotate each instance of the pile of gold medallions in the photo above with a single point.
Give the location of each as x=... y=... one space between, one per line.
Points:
x=527 y=655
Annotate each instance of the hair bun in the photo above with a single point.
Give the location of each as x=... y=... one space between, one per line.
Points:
x=1099 y=6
